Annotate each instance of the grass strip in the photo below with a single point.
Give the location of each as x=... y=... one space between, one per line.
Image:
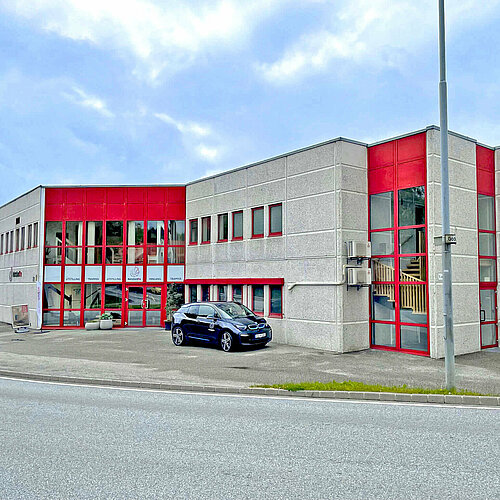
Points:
x=351 y=385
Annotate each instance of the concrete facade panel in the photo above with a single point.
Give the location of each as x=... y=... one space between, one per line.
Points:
x=311 y=159
x=322 y=308
x=200 y=189
x=311 y=245
x=264 y=194
x=311 y=183
x=314 y=213
x=352 y=154
x=230 y=182
x=316 y=336
x=266 y=171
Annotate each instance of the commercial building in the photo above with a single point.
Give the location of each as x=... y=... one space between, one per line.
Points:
x=287 y=236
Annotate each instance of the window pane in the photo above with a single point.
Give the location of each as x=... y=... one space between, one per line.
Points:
x=93 y=255
x=206 y=311
x=175 y=296
x=113 y=296
x=93 y=296
x=486 y=210
x=205 y=229
x=135 y=232
x=51 y=296
x=156 y=232
x=382 y=242
x=114 y=232
x=258 y=221
x=275 y=292
x=383 y=334
x=156 y=255
x=487 y=305
x=114 y=255
x=205 y=293
x=135 y=255
x=487 y=244
x=258 y=298
x=193 y=293
x=72 y=296
x=35 y=234
x=176 y=255
x=237 y=293
x=488 y=334
x=383 y=304
x=411 y=206
x=71 y=318
x=412 y=303
x=74 y=234
x=222 y=226
x=193 y=231
x=73 y=256
x=176 y=232
x=238 y=225
x=222 y=292
x=53 y=234
x=275 y=220
x=414 y=337
x=412 y=268
x=383 y=269
x=487 y=271
x=90 y=315
x=381 y=210
x=93 y=234
x=51 y=318
x=53 y=255
x=412 y=240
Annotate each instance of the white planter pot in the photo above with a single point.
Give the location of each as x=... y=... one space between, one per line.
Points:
x=92 y=325
x=106 y=324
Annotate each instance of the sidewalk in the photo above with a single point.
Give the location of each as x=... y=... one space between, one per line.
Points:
x=148 y=356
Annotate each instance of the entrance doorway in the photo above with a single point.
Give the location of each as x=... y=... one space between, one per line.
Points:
x=488 y=310
x=143 y=305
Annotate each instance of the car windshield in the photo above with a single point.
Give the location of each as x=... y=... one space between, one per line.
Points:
x=234 y=310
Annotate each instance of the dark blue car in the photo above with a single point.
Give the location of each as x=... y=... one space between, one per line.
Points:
x=227 y=324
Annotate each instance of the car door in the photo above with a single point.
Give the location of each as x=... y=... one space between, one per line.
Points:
x=206 y=322
x=190 y=323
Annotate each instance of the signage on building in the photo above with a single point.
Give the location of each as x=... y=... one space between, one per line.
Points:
x=113 y=274
x=93 y=274
x=53 y=274
x=134 y=273
x=175 y=273
x=154 y=274
x=73 y=274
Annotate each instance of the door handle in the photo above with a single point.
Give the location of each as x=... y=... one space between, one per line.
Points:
x=483 y=315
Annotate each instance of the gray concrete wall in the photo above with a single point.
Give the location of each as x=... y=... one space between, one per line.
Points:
x=20 y=290
x=463 y=221
x=323 y=191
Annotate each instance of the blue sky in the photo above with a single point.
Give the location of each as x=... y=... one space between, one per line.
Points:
x=138 y=91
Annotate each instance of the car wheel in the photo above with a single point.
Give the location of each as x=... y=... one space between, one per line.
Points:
x=178 y=337
x=226 y=341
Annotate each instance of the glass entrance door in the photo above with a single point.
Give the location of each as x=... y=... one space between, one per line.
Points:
x=144 y=306
x=488 y=304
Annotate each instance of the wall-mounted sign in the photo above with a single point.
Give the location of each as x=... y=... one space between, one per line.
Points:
x=113 y=274
x=93 y=274
x=17 y=274
x=154 y=274
x=52 y=274
x=134 y=273
x=175 y=273
x=72 y=274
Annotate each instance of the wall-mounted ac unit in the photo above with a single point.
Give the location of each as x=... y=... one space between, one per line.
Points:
x=359 y=276
x=359 y=249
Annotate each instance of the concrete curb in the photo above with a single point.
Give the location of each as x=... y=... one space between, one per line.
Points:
x=487 y=401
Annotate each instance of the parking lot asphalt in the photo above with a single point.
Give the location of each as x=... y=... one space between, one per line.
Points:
x=148 y=355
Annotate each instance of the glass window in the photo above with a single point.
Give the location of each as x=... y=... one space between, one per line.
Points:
x=90 y=315
x=71 y=318
x=193 y=293
x=237 y=293
x=35 y=234
x=487 y=270
x=175 y=296
x=382 y=242
x=176 y=255
x=275 y=219
x=414 y=337
x=258 y=221
x=193 y=310
x=53 y=255
x=487 y=244
x=176 y=232
x=237 y=225
x=384 y=334
x=93 y=236
x=412 y=240
x=72 y=296
x=193 y=231
x=135 y=232
x=135 y=255
x=205 y=293
x=206 y=311
x=93 y=255
x=412 y=303
x=1 y=244
x=222 y=292
x=114 y=232
x=53 y=233
x=6 y=242
x=205 y=230
x=51 y=318
x=222 y=227
x=51 y=296
x=156 y=232
x=488 y=306
x=156 y=255
x=74 y=233
x=93 y=296
x=411 y=206
x=23 y=229
x=412 y=269
x=486 y=210
x=12 y=241
x=17 y=240
x=73 y=255
x=114 y=255
x=30 y=239
x=383 y=304
x=383 y=269
x=488 y=334
x=113 y=296
x=276 y=300
x=381 y=210
x=258 y=298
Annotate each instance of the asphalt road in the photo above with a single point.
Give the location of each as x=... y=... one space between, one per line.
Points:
x=66 y=442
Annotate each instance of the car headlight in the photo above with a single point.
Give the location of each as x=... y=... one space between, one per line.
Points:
x=241 y=327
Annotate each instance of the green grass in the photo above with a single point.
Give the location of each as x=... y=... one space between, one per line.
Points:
x=351 y=385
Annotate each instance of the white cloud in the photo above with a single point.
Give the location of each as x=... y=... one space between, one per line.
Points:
x=185 y=127
x=371 y=32
x=81 y=98
x=162 y=35
x=207 y=153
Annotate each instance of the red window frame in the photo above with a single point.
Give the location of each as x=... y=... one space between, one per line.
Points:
x=271 y=314
x=258 y=313
x=237 y=238
x=276 y=233
x=1 y=244
x=220 y=218
x=254 y=210
x=191 y=242
x=209 y=222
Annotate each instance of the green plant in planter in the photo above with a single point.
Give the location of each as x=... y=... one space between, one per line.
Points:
x=175 y=299
x=105 y=316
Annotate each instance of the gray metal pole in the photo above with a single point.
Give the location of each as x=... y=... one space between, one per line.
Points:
x=445 y=209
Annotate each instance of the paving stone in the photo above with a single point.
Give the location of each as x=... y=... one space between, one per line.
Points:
x=435 y=398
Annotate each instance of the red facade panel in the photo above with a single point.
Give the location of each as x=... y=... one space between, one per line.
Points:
x=380 y=180
x=485 y=158
x=135 y=211
x=485 y=182
x=74 y=195
x=412 y=147
x=115 y=195
x=95 y=195
x=411 y=173
x=74 y=212
x=177 y=210
x=381 y=155
x=115 y=212
x=135 y=194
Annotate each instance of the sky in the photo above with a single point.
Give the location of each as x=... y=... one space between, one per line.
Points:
x=165 y=92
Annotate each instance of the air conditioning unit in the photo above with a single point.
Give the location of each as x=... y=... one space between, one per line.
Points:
x=359 y=276
x=359 y=249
